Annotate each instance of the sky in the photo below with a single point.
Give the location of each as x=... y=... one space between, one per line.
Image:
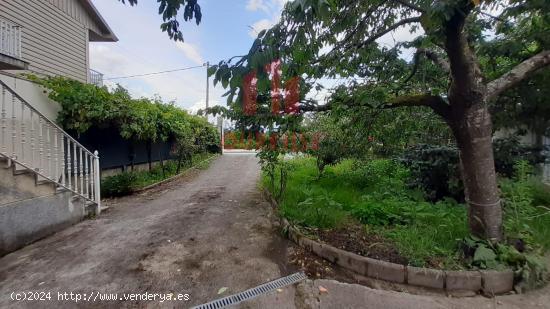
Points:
x=228 y=28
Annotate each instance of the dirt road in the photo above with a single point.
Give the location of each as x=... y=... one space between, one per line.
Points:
x=196 y=235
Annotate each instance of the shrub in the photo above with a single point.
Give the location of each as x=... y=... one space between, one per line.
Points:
x=434 y=169
x=541 y=192
x=148 y=120
x=526 y=208
x=321 y=211
x=529 y=268
x=118 y=185
x=383 y=210
x=127 y=182
x=381 y=174
x=509 y=150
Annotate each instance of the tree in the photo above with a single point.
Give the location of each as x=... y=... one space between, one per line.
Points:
x=169 y=10
x=525 y=107
x=331 y=38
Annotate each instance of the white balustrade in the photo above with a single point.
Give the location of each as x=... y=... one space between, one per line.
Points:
x=30 y=140
x=10 y=39
x=96 y=78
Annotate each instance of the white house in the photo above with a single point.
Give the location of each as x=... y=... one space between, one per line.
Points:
x=47 y=179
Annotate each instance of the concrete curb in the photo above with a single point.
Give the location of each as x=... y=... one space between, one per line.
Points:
x=453 y=282
x=183 y=173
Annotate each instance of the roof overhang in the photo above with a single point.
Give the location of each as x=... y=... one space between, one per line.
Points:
x=107 y=34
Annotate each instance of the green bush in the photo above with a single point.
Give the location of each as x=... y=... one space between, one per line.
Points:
x=148 y=120
x=435 y=170
x=529 y=267
x=526 y=204
x=129 y=181
x=320 y=211
x=384 y=175
x=508 y=151
x=118 y=185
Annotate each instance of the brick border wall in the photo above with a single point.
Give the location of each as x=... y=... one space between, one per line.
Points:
x=455 y=282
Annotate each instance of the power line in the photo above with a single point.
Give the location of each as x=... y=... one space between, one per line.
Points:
x=155 y=73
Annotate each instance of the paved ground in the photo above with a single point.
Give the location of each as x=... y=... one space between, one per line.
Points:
x=196 y=235
x=343 y=295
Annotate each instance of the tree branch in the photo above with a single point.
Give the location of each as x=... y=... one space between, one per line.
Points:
x=388 y=30
x=436 y=58
x=521 y=72
x=433 y=56
x=436 y=103
x=410 y=5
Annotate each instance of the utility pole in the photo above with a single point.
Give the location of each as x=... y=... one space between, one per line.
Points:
x=207 y=86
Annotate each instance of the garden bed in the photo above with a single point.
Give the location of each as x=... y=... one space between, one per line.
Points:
x=354 y=238
x=368 y=209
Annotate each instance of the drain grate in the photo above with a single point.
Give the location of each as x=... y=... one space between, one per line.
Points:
x=254 y=292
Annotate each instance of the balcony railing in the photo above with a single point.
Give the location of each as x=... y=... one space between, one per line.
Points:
x=10 y=39
x=96 y=78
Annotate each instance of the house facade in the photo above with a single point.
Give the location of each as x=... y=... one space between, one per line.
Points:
x=48 y=180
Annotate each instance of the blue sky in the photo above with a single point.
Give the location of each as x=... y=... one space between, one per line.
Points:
x=225 y=31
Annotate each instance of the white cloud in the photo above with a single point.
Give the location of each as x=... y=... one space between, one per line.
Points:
x=272 y=8
x=259 y=26
x=255 y=5
x=190 y=51
x=186 y=87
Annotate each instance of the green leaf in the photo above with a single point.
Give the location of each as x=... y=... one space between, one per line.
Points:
x=212 y=70
x=484 y=254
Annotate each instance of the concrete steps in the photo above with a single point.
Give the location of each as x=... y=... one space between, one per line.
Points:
x=32 y=207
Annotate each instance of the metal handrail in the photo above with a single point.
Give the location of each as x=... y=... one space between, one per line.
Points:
x=96 y=77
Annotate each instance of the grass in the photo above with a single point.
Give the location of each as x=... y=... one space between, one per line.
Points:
x=541 y=224
x=375 y=194
x=127 y=182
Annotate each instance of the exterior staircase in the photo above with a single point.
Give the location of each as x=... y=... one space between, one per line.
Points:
x=47 y=179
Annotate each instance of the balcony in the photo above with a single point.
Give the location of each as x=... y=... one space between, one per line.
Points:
x=10 y=46
x=95 y=78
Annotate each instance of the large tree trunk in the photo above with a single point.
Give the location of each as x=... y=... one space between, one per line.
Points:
x=470 y=121
x=473 y=132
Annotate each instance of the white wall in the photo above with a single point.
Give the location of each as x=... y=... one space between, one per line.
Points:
x=35 y=143
x=34 y=94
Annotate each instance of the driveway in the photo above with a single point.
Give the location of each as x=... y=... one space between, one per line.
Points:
x=211 y=230
x=199 y=238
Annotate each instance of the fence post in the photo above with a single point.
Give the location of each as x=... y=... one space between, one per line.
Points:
x=97 y=180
